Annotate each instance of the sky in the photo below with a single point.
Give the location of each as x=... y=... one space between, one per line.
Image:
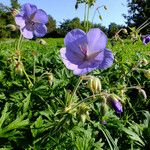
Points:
x=65 y=9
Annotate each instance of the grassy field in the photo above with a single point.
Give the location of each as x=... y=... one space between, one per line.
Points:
x=38 y=109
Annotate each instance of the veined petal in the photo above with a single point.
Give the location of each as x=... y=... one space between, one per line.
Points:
x=40 y=17
x=85 y=67
x=40 y=30
x=97 y=40
x=26 y=33
x=73 y=35
x=28 y=9
x=74 y=39
x=65 y=60
x=20 y=21
x=108 y=59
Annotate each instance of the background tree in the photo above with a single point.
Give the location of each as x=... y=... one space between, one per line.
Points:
x=14 y=4
x=113 y=28
x=138 y=13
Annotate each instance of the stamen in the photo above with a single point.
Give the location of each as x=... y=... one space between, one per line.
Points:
x=84 y=48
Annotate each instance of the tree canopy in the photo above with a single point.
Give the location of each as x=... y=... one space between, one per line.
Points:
x=138 y=13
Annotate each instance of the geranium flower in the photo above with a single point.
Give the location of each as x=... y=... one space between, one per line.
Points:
x=146 y=39
x=86 y=52
x=114 y=102
x=32 y=21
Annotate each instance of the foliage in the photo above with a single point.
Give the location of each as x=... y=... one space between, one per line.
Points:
x=39 y=116
x=138 y=14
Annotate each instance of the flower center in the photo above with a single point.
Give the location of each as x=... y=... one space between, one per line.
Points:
x=85 y=50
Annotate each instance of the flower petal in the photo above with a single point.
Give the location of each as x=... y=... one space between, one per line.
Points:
x=28 y=9
x=74 y=39
x=26 y=33
x=65 y=60
x=40 y=30
x=40 y=16
x=108 y=59
x=85 y=67
x=146 y=40
x=20 y=21
x=97 y=40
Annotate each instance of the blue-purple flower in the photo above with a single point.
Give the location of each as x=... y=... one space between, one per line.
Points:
x=113 y=101
x=86 y=52
x=146 y=39
x=31 y=21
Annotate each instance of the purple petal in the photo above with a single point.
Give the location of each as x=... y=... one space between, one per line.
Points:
x=40 y=30
x=146 y=40
x=65 y=60
x=97 y=40
x=117 y=106
x=74 y=39
x=108 y=59
x=20 y=21
x=86 y=66
x=26 y=33
x=73 y=35
x=40 y=16
x=28 y=9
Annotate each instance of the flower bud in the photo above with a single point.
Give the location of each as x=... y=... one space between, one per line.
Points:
x=15 y=12
x=94 y=84
x=125 y=31
x=11 y=27
x=144 y=62
x=42 y=42
x=83 y=112
x=147 y=73
x=113 y=100
x=19 y=68
x=50 y=78
x=100 y=17
x=105 y=7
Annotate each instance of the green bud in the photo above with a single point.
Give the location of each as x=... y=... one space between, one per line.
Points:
x=105 y=7
x=11 y=27
x=100 y=17
x=147 y=73
x=94 y=84
x=144 y=62
x=125 y=31
x=42 y=42
x=15 y=12
x=19 y=68
x=50 y=78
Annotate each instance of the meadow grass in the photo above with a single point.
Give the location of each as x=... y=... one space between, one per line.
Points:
x=44 y=116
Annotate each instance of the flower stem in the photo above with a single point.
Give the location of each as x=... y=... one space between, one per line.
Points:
x=34 y=66
x=27 y=77
x=87 y=21
x=85 y=14
x=76 y=87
